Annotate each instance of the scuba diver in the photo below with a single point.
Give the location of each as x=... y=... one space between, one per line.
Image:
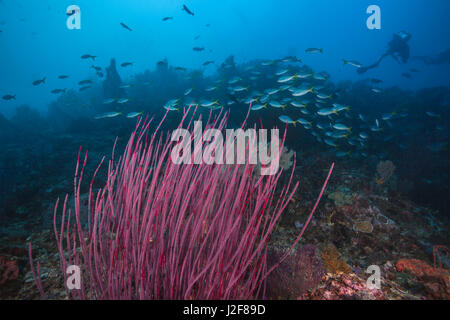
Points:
x=398 y=49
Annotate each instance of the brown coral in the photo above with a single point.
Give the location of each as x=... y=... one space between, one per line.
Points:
x=333 y=261
x=385 y=170
x=363 y=226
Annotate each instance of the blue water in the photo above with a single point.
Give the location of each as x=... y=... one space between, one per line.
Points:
x=35 y=41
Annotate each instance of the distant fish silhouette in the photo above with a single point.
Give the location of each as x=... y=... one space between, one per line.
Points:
x=187 y=10
x=125 y=26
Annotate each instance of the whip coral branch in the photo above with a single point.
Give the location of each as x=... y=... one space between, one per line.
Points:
x=159 y=230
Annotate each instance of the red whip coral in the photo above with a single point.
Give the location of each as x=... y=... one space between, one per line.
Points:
x=159 y=230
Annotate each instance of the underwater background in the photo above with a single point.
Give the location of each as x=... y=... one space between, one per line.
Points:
x=309 y=67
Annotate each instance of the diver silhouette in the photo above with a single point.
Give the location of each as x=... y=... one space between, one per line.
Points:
x=398 y=49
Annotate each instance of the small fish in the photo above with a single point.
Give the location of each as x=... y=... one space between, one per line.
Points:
x=268 y=62
x=109 y=101
x=387 y=116
x=112 y=114
x=298 y=104
x=180 y=69
x=302 y=92
x=208 y=62
x=326 y=111
x=281 y=72
x=9 y=97
x=330 y=142
x=85 y=88
x=286 y=119
x=339 y=107
x=63 y=76
x=56 y=91
x=234 y=80
x=339 y=135
x=407 y=75
x=240 y=88
x=171 y=108
x=162 y=63
x=187 y=10
x=363 y=135
x=287 y=78
x=324 y=96
x=206 y=103
x=342 y=127
x=314 y=50
x=125 y=26
x=123 y=100
x=303 y=121
x=188 y=91
x=304 y=75
x=84 y=82
x=257 y=107
x=374 y=80
x=87 y=56
x=38 y=82
x=126 y=64
x=352 y=63
x=375 y=128
x=126 y=86
x=134 y=114
x=167 y=18
x=209 y=89
x=197 y=37
x=376 y=90
x=291 y=59
x=198 y=49
x=100 y=74
x=432 y=114
x=276 y=104
x=96 y=68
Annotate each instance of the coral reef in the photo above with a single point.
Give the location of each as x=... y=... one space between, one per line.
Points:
x=161 y=230
x=333 y=261
x=363 y=226
x=435 y=280
x=343 y=287
x=385 y=170
x=300 y=272
x=112 y=82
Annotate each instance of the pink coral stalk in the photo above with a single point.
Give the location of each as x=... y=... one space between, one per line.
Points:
x=158 y=230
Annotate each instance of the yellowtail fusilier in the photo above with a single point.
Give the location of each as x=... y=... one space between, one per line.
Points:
x=134 y=114
x=123 y=100
x=112 y=114
x=257 y=107
x=301 y=92
x=207 y=103
x=286 y=119
x=353 y=63
x=314 y=50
